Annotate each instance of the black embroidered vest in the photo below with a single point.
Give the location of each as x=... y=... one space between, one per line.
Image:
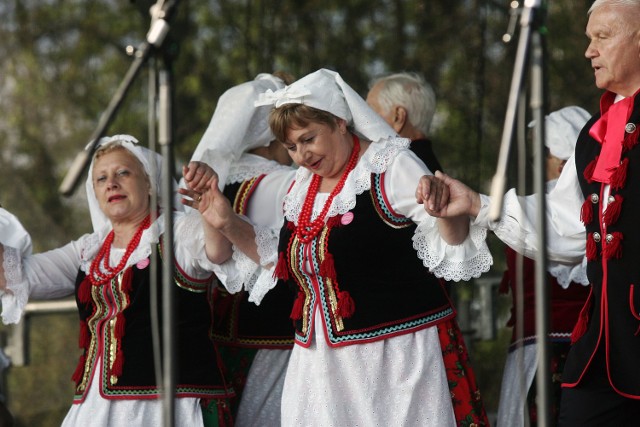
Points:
x=115 y=324
x=611 y=316
x=375 y=268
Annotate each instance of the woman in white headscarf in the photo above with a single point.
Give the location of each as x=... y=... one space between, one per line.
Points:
x=254 y=341
x=109 y=273
x=375 y=332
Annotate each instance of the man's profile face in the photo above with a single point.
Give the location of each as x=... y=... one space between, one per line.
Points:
x=614 y=49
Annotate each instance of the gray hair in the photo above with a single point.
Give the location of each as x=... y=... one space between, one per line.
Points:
x=410 y=91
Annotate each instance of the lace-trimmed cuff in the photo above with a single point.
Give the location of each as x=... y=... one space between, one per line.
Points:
x=263 y=284
x=566 y=274
x=469 y=259
x=16 y=295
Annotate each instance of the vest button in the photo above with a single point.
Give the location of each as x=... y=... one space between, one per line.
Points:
x=595 y=198
x=630 y=128
x=609 y=238
x=611 y=199
x=596 y=237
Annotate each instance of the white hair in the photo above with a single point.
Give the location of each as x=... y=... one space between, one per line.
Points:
x=410 y=91
x=599 y=3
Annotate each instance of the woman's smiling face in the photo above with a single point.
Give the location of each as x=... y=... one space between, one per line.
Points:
x=319 y=148
x=121 y=186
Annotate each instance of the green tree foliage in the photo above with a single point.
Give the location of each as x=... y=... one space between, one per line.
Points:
x=64 y=59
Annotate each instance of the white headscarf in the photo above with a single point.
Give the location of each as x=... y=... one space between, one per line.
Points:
x=237 y=125
x=152 y=163
x=562 y=128
x=327 y=91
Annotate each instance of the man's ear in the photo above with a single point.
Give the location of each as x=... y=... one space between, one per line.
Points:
x=399 y=118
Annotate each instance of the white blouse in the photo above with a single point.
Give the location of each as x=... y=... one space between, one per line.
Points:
x=52 y=275
x=566 y=236
x=392 y=382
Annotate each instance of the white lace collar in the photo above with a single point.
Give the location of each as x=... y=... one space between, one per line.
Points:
x=375 y=160
x=91 y=244
x=251 y=165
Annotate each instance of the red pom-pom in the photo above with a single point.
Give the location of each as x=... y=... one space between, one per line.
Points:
x=327 y=267
x=127 y=281
x=588 y=171
x=612 y=213
x=613 y=249
x=619 y=176
x=591 y=248
x=84 y=291
x=298 y=304
x=85 y=336
x=581 y=326
x=282 y=269
x=586 y=212
x=346 y=306
x=630 y=139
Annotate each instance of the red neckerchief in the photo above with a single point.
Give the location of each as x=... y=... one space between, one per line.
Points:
x=608 y=130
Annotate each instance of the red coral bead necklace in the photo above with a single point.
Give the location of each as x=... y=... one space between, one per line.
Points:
x=306 y=229
x=102 y=274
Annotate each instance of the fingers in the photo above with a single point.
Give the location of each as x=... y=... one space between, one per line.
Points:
x=198 y=175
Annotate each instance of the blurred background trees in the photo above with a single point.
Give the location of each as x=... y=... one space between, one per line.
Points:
x=63 y=59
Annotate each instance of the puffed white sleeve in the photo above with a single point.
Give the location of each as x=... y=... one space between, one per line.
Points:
x=189 y=245
x=516 y=226
x=48 y=275
x=469 y=259
x=265 y=213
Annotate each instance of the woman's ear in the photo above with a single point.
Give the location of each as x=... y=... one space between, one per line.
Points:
x=342 y=126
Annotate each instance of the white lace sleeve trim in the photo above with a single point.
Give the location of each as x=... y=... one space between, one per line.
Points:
x=376 y=159
x=566 y=274
x=264 y=283
x=16 y=295
x=250 y=166
x=467 y=260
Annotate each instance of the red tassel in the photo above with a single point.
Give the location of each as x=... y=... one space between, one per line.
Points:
x=581 y=326
x=334 y=221
x=346 y=306
x=298 y=304
x=127 y=281
x=613 y=249
x=281 y=271
x=612 y=213
x=118 y=362
x=120 y=326
x=591 y=248
x=327 y=267
x=619 y=176
x=85 y=336
x=77 y=374
x=588 y=171
x=630 y=139
x=84 y=291
x=586 y=212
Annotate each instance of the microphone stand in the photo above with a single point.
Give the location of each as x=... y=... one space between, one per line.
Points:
x=531 y=37
x=160 y=12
